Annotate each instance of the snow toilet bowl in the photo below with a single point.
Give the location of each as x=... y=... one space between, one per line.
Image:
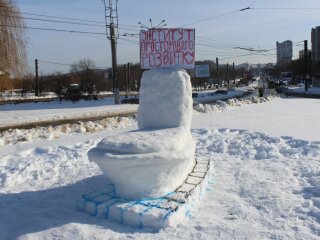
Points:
x=155 y=159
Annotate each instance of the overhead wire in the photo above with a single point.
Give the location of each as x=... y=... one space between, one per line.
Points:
x=64 y=64
x=54 y=29
x=58 y=21
x=73 y=23
x=135 y=27
x=221 y=15
x=128 y=40
x=284 y=8
x=209 y=18
x=203 y=43
x=56 y=63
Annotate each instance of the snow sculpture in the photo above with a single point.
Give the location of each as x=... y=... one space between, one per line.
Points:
x=155 y=159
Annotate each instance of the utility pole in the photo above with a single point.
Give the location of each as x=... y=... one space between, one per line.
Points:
x=126 y=78
x=228 y=80
x=242 y=73
x=37 y=79
x=305 y=65
x=310 y=64
x=111 y=16
x=234 y=74
x=129 y=78
x=218 y=74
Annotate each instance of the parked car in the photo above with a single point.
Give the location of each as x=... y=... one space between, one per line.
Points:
x=73 y=92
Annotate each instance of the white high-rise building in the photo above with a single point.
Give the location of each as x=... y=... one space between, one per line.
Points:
x=284 y=52
x=315 y=41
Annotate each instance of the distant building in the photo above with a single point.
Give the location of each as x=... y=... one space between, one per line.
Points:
x=284 y=52
x=301 y=53
x=244 y=66
x=268 y=65
x=316 y=82
x=315 y=42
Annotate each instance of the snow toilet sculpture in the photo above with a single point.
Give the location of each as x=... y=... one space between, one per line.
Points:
x=155 y=159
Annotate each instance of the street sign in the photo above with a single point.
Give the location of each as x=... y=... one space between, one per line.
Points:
x=167 y=48
x=202 y=71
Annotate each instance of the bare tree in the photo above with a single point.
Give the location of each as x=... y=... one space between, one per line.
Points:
x=83 y=64
x=12 y=38
x=84 y=68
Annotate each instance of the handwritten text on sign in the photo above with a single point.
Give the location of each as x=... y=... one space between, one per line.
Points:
x=161 y=48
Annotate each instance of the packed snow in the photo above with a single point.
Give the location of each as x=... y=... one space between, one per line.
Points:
x=301 y=89
x=214 y=95
x=266 y=183
x=165 y=99
x=12 y=115
x=158 y=157
x=13 y=136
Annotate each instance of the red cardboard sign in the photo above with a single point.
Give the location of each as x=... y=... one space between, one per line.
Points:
x=167 y=48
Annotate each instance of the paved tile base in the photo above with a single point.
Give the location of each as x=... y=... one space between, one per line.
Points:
x=153 y=213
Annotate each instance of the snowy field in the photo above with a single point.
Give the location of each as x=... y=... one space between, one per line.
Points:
x=11 y=114
x=301 y=89
x=213 y=95
x=266 y=155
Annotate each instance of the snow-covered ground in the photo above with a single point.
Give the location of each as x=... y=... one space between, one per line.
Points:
x=214 y=95
x=17 y=95
x=15 y=135
x=266 y=183
x=301 y=89
x=11 y=115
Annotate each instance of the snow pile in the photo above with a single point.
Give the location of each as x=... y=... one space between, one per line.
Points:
x=158 y=157
x=156 y=162
x=46 y=167
x=268 y=183
x=265 y=186
x=220 y=106
x=214 y=95
x=17 y=95
x=301 y=89
x=253 y=196
x=259 y=146
x=165 y=99
x=14 y=136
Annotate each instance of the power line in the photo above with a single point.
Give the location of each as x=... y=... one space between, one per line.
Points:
x=66 y=18
x=284 y=8
x=244 y=9
x=128 y=40
x=73 y=19
x=55 y=63
x=73 y=23
x=246 y=55
x=209 y=18
x=58 y=21
x=221 y=15
x=219 y=42
x=54 y=29
x=253 y=3
x=64 y=64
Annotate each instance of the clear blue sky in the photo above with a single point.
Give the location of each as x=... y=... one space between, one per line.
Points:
x=215 y=37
